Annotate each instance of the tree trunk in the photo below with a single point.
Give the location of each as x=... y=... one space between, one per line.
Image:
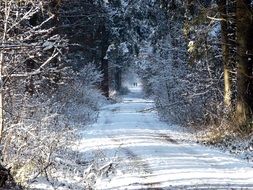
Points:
x=225 y=54
x=6 y=14
x=118 y=79
x=104 y=43
x=244 y=58
x=105 y=81
x=231 y=24
x=1 y=96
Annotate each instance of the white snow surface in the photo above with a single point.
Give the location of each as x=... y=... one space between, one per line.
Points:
x=133 y=149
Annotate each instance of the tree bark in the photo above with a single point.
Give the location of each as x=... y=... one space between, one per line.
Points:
x=244 y=61
x=118 y=79
x=1 y=96
x=222 y=6
x=6 y=15
x=104 y=62
x=105 y=81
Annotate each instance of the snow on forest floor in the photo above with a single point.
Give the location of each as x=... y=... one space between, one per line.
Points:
x=129 y=148
x=134 y=150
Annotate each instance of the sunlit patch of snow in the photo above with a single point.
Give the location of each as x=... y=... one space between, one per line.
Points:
x=148 y=153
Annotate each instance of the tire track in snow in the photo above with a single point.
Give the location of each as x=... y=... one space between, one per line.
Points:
x=142 y=167
x=137 y=161
x=190 y=152
x=167 y=138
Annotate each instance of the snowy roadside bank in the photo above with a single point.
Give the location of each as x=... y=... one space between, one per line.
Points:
x=237 y=146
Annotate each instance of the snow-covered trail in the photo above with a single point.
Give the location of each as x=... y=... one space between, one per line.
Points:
x=146 y=153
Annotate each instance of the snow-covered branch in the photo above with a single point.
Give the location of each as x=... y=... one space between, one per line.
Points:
x=39 y=70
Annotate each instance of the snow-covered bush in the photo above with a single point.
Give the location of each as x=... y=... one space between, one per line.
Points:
x=183 y=93
x=80 y=98
x=41 y=127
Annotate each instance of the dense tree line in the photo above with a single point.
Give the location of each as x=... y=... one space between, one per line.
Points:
x=194 y=57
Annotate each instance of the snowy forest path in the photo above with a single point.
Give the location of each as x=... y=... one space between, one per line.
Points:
x=145 y=153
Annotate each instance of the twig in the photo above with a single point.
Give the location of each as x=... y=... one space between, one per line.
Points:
x=38 y=71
